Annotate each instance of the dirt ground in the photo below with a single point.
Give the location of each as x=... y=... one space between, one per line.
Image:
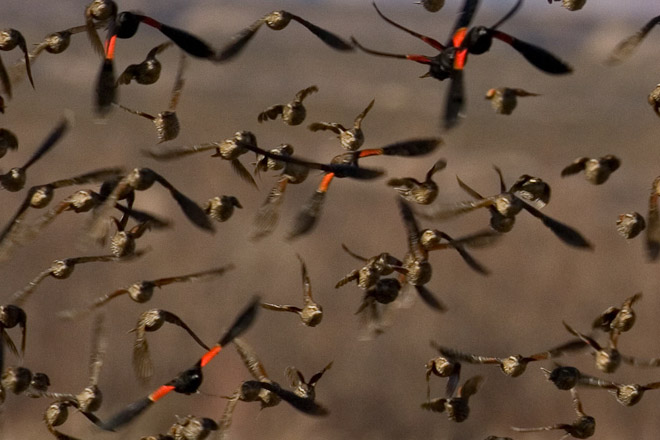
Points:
x=375 y=388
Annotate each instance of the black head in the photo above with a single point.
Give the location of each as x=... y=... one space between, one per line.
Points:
x=478 y=40
x=126 y=24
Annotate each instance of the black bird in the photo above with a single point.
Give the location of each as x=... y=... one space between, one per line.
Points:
x=189 y=381
x=450 y=62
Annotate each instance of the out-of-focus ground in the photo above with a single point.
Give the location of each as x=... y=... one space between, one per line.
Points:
x=375 y=387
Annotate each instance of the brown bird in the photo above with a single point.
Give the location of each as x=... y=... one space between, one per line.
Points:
x=53 y=43
x=564 y=377
x=654 y=99
x=99 y=11
x=59 y=269
x=505 y=99
x=268 y=213
x=257 y=370
x=141 y=179
x=264 y=163
x=311 y=313
x=221 y=209
x=505 y=206
x=9 y=39
x=142 y=291
x=123 y=242
x=8 y=141
x=302 y=388
x=90 y=398
x=582 y=427
x=653 y=223
x=40 y=196
x=278 y=20
x=627 y=46
x=431 y=5
x=374 y=268
x=146 y=72
x=292 y=113
x=10 y=317
x=596 y=171
x=608 y=359
x=626 y=394
x=374 y=310
x=415 y=191
x=630 y=225
x=192 y=428
x=166 y=122
x=151 y=321
x=78 y=202
x=515 y=365
x=229 y=149
x=14 y=180
x=456 y=405
x=350 y=139
x=443 y=366
x=416 y=267
x=571 y=5
x=616 y=320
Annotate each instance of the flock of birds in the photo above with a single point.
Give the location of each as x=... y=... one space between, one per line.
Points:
x=116 y=223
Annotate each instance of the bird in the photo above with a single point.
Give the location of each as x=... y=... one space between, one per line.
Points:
x=350 y=139
x=443 y=366
x=277 y=20
x=301 y=387
x=596 y=171
x=630 y=224
x=415 y=191
x=188 y=381
x=608 y=358
x=456 y=401
x=616 y=320
x=14 y=179
x=146 y=72
x=505 y=99
x=311 y=313
x=571 y=5
x=151 y=321
x=230 y=149
x=142 y=291
x=514 y=365
x=8 y=141
x=221 y=208
x=652 y=239
x=626 y=47
x=141 y=179
x=292 y=113
x=416 y=268
x=308 y=216
x=431 y=5
x=11 y=316
x=583 y=426
x=40 y=196
x=507 y=204
x=267 y=215
x=9 y=40
x=450 y=62
x=98 y=11
x=166 y=122
x=59 y=269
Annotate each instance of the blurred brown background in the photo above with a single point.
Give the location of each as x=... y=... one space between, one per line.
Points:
x=375 y=387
